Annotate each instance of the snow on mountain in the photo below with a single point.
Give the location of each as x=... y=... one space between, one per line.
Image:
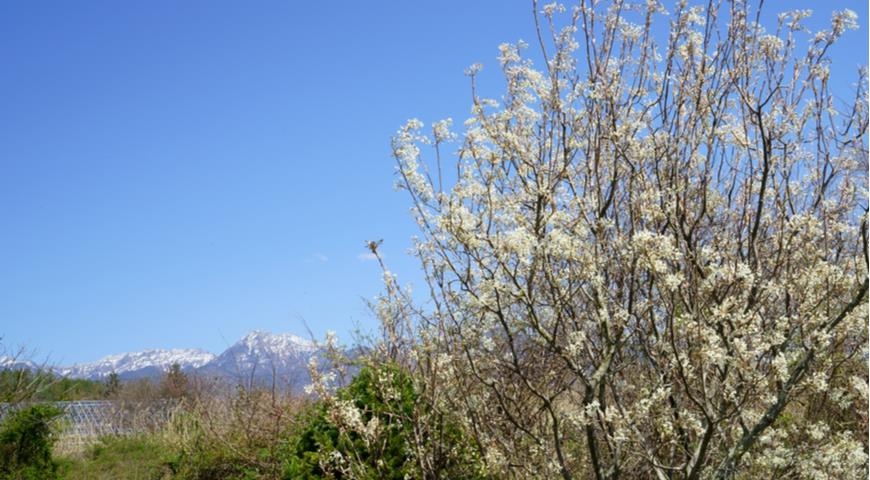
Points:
x=139 y=364
x=265 y=356
x=12 y=363
x=260 y=356
x=260 y=345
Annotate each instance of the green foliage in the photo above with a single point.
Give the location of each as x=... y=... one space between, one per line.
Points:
x=319 y=442
x=119 y=458
x=26 y=439
x=69 y=389
x=304 y=452
x=40 y=386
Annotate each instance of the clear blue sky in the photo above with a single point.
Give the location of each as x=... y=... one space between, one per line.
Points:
x=175 y=174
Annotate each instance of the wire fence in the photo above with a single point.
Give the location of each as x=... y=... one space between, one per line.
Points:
x=84 y=421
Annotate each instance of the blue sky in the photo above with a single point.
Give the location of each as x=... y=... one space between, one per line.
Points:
x=175 y=174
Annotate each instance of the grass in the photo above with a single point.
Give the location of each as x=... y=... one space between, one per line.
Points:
x=119 y=458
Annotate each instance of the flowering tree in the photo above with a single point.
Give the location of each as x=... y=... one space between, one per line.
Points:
x=653 y=259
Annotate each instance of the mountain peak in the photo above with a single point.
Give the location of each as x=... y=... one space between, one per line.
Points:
x=263 y=354
x=275 y=342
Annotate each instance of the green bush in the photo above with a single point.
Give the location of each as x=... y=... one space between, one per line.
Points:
x=43 y=386
x=320 y=443
x=26 y=439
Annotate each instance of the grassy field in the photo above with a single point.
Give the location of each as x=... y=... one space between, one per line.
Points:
x=118 y=458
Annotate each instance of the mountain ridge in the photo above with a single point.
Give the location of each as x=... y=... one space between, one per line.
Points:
x=138 y=364
x=258 y=356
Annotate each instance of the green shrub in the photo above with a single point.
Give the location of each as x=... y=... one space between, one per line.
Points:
x=320 y=443
x=43 y=386
x=26 y=439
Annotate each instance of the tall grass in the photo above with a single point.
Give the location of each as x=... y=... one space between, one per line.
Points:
x=210 y=431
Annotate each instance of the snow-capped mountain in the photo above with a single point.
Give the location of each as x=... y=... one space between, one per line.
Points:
x=260 y=356
x=12 y=363
x=265 y=356
x=147 y=363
